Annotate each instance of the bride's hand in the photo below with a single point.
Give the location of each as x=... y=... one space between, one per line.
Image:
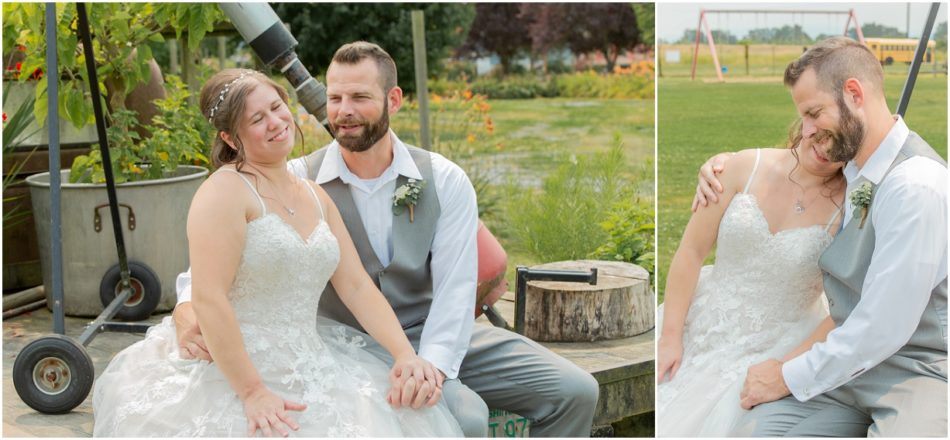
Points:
x=415 y=382
x=669 y=358
x=266 y=410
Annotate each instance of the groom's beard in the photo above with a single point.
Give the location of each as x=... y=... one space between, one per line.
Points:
x=847 y=139
x=372 y=131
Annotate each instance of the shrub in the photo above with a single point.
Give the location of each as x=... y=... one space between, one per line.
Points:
x=630 y=229
x=515 y=87
x=579 y=212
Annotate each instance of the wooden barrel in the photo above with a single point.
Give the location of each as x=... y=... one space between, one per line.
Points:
x=620 y=305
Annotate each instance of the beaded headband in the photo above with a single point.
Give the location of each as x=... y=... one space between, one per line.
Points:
x=224 y=91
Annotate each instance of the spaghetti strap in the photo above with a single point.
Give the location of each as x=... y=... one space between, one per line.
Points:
x=833 y=218
x=323 y=214
x=755 y=167
x=249 y=185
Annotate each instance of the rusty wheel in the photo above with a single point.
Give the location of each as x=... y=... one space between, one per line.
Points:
x=53 y=374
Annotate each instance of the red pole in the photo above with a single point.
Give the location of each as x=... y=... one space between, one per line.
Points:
x=696 y=49
x=857 y=26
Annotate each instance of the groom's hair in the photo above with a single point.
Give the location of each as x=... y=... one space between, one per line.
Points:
x=835 y=60
x=357 y=51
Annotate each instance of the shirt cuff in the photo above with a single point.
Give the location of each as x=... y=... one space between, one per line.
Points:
x=443 y=359
x=798 y=378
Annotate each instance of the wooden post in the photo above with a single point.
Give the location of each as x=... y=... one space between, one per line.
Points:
x=422 y=89
x=747 y=59
x=222 y=52
x=173 y=56
x=188 y=70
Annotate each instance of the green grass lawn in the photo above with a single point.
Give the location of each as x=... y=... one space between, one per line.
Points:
x=697 y=120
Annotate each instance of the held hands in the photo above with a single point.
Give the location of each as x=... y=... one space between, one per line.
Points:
x=190 y=342
x=709 y=186
x=266 y=411
x=669 y=358
x=763 y=383
x=415 y=382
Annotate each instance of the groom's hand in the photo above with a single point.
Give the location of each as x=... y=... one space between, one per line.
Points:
x=764 y=383
x=709 y=187
x=190 y=342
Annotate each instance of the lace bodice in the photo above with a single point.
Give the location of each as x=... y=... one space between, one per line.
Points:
x=282 y=274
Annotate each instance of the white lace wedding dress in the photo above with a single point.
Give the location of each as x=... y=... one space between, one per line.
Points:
x=149 y=391
x=761 y=298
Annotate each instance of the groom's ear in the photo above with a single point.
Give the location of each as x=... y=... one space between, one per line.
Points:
x=854 y=92
x=394 y=96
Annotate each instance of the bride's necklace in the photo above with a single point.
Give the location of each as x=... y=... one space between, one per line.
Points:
x=800 y=203
x=292 y=211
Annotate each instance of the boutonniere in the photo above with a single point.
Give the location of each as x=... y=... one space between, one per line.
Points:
x=407 y=196
x=861 y=198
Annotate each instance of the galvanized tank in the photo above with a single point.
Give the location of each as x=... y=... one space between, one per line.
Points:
x=158 y=239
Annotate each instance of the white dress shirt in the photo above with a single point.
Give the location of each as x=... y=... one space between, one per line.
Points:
x=909 y=260
x=448 y=328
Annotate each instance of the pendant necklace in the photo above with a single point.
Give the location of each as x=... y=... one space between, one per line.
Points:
x=291 y=211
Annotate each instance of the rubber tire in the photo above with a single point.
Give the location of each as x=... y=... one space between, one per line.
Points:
x=151 y=286
x=888 y=61
x=69 y=352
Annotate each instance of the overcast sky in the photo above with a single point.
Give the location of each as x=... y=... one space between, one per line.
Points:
x=673 y=18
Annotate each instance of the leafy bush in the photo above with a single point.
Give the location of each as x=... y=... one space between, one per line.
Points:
x=515 y=87
x=581 y=211
x=178 y=135
x=630 y=229
x=633 y=82
x=593 y=85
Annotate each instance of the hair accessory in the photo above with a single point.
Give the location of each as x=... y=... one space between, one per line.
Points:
x=224 y=91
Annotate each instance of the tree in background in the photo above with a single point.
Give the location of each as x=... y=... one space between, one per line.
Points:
x=322 y=28
x=940 y=36
x=608 y=28
x=720 y=36
x=877 y=30
x=500 y=29
x=645 y=13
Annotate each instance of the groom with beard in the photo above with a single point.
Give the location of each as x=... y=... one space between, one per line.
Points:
x=878 y=365
x=425 y=263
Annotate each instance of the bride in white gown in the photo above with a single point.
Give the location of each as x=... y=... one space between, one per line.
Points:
x=263 y=243
x=763 y=296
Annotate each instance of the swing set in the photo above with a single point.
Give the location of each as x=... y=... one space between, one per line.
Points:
x=705 y=29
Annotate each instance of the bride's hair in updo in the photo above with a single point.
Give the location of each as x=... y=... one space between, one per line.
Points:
x=222 y=102
x=832 y=183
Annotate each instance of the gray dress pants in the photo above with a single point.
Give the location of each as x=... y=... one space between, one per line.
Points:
x=890 y=400
x=504 y=370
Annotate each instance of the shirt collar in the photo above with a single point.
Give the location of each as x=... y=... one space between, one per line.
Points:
x=876 y=166
x=334 y=167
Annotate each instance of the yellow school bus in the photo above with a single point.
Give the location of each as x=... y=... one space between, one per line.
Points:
x=897 y=50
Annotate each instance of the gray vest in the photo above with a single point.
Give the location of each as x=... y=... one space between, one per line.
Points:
x=845 y=264
x=407 y=281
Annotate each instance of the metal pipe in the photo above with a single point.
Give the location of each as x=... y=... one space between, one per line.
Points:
x=262 y=29
x=918 y=59
x=52 y=116
x=86 y=39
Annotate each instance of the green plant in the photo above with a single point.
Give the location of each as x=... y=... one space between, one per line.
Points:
x=630 y=228
x=14 y=130
x=177 y=136
x=123 y=62
x=562 y=220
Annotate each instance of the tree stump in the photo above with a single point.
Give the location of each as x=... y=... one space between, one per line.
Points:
x=620 y=305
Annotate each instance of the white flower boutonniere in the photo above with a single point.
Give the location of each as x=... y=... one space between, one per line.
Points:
x=407 y=196
x=861 y=198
